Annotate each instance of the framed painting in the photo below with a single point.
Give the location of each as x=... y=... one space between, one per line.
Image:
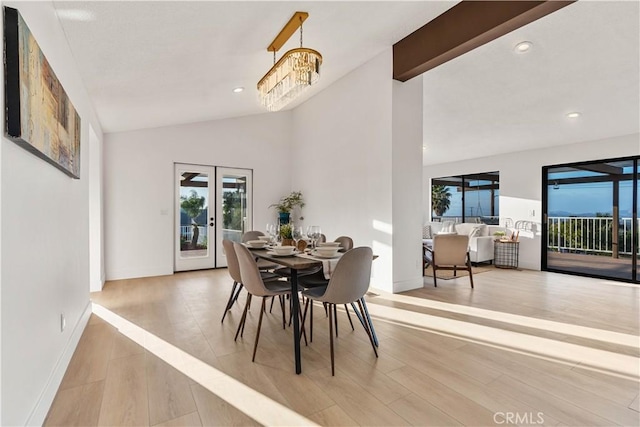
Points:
x=38 y=113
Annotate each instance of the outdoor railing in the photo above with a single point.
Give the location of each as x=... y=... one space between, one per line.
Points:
x=590 y=235
x=186 y=233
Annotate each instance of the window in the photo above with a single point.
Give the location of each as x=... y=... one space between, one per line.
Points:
x=466 y=198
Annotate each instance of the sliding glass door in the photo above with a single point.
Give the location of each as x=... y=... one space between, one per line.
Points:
x=591 y=225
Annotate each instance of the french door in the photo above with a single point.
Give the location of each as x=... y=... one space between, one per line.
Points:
x=591 y=222
x=211 y=204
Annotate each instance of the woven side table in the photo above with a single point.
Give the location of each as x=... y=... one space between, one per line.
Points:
x=505 y=253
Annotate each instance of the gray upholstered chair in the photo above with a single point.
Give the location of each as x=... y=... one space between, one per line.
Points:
x=263 y=264
x=346 y=243
x=234 y=271
x=255 y=286
x=348 y=284
x=251 y=235
x=450 y=252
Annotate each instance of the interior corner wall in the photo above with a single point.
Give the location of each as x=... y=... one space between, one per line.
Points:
x=521 y=181
x=44 y=247
x=139 y=182
x=342 y=161
x=96 y=231
x=407 y=185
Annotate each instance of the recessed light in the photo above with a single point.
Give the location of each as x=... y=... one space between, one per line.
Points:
x=523 y=47
x=76 y=15
x=238 y=90
x=424 y=147
x=574 y=114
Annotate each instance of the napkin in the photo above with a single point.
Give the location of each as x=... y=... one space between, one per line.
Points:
x=328 y=264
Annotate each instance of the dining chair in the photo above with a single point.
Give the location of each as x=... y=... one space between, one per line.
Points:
x=234 y=271
x=450 y=252
x=251 y=235
x=247 y=236
x=346 y=243
x=255 y=286
x=348 y=284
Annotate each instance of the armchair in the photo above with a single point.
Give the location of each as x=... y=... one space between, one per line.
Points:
x=450 y=252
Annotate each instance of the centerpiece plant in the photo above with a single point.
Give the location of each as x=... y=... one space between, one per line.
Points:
x=286 y=235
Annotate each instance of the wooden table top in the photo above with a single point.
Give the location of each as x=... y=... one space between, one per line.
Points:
x=292 y=261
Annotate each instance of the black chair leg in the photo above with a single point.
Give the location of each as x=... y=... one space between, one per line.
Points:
x=255 y=345
x=284 y=322
x=369 y=321
x=349 y=316
x=271 y=307
x=249 y=297
x=238 y=293
x=333 y=371
x=230 y=302
x=243 y=318
x=368 y=331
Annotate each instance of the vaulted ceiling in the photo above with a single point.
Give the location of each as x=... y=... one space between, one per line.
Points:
x=149 y=64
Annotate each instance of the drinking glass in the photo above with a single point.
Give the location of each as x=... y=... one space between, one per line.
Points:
x=272 y=231
x=296 y=234
x=315 y=235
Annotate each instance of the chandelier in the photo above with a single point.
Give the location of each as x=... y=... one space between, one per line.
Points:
x=295 y=72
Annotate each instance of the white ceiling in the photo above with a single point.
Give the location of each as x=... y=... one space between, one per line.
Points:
x=585 y=57
x=150 y=64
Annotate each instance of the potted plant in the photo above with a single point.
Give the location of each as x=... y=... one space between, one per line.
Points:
x=286 y=235
x=286 y=204
x=500 y=235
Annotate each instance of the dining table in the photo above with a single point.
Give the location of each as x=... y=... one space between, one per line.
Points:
x=296 y=263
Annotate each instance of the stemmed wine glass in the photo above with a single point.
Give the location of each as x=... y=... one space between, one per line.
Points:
x=272 y=230
x=296 y=234
x=314 y=232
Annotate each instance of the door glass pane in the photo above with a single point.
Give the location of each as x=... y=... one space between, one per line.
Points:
x=234 y=207
x=194 y=207
x=589 y=216
x=638 y=221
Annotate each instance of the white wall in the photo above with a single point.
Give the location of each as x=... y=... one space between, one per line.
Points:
x=407 y=185
x=521 y=180
x=358 y=162
x=139 y=187
x=45 y=245
x=342 y=161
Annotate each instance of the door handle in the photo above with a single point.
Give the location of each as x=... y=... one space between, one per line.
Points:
x=212 y=222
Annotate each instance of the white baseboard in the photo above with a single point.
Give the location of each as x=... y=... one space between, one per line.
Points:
x=139 y=272
x=41 y=409
x=407 y=285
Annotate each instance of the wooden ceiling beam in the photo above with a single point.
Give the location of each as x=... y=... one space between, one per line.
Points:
x=464 y=27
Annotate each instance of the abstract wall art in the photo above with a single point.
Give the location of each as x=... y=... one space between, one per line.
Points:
x=38 y=113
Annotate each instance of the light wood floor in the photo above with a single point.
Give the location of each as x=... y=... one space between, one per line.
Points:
x=523 y=347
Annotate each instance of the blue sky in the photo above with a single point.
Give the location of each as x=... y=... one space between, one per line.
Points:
x=590 y=198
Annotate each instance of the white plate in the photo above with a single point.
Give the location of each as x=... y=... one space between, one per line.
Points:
x=277 y=254
x=255 y=247
x=316 y=254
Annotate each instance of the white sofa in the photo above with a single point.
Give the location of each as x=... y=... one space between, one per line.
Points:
x=480 y=237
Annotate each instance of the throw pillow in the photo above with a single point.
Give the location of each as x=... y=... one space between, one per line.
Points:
x=426 y=232
x=475 y=232
x=447 y=227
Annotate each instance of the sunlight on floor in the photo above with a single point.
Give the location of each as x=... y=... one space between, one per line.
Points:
x=530 y=345
x=514 y=319
x=256 y=405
